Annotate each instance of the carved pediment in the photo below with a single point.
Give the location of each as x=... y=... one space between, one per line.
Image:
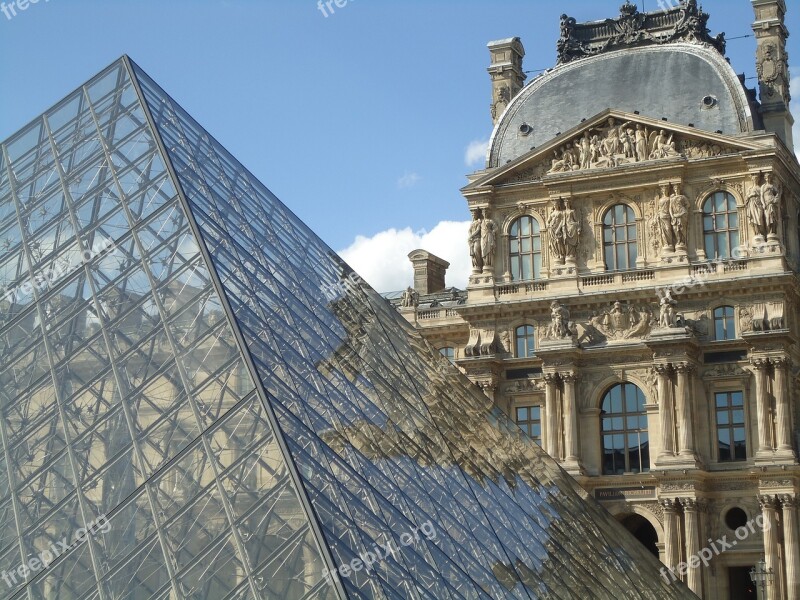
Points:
x=613 y=139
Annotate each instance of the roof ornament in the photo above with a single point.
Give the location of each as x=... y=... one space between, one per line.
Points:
x=684 y=23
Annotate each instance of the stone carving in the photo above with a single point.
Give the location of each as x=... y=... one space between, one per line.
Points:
x=555 y=227
x=482 y=342
x=620 y=322
x=764 y=208
x=525 y=385
x=488 y=243
x=502 y=99
x=614 y=144
x=474 y=241
x=505 y=340
x=771 y=198
x=410 y=298
x=664 y=220
x=572 y=231
x=755 y=210
x=560 y=325
x=725 y=370
x=685 y=22
x=772 y=70
x=679 y=211
x=762 y=316
x=667 y=317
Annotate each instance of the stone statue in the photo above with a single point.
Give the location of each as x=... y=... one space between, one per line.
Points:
x=771 y=200
x=667 y=317
x=755 y=210
x=667 y=233
x=556 y=228
x=474 y=240
x=679 y=210
x=410 y=298
x=662 y=145
x=560 y=325
x=641 y=144
x=572 y=231
x=586 y=151
x=488 y=243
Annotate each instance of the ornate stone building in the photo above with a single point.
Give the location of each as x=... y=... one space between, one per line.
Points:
x=634 y=296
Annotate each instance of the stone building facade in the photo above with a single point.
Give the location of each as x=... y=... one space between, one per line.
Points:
x=634 y=297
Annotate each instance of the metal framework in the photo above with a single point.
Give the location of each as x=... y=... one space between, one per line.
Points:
x=177 y=376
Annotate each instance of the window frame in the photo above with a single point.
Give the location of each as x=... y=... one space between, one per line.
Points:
x=529 y=339
x=452 y=358
x=630 y=244
x=728 y=323
x=625 y=431
x=731 y=425
x=711 y=236
x=516 y=258
x=530 y=422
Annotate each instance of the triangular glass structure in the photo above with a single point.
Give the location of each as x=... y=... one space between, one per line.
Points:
x=200 y=400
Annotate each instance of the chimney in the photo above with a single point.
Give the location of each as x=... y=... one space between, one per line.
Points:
x=506 y=73
x=429 y=271
x=772 y=65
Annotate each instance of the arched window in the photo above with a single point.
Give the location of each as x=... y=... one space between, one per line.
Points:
x=619 y=238
x=449 y=353
x=524 y=337
x=724 y=327
x=720 y=225
x=626 y=446
x=525 y=249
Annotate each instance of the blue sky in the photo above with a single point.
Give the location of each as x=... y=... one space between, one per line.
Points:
x=359 y=121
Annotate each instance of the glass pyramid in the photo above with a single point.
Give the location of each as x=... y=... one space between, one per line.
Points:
x=200 y=400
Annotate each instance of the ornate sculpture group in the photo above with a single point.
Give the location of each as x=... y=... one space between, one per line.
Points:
x=621 y=143
x=564 y=227
x=482 y=241
x=672 y=217
x=632 y=28
x=764 y=208
x=560 y=327
x=410 y=298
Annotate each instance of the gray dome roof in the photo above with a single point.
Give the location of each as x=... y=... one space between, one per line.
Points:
x=669 y=81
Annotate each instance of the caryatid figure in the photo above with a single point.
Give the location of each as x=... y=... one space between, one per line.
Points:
x=665 y=229
x=556 y=229
x=679 y=209
x=755 y=210
x=474 y=240
x=488 y=243
x=771 y=199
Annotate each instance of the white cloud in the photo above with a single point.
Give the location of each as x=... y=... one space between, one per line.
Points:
x=382 y=260
x=794 y=87
x=475 y=154
x=408 y=180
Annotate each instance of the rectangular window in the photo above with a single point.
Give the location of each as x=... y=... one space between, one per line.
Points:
x=731 y=441
x=529 y=418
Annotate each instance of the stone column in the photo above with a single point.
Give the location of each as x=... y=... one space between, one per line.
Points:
x=783 y=415
x=762 y=404
x=550 y=399
x=691 y=516
x=665 y=412
x=769 y=511
x=791 y=543
x=571 y=434
x=672 y=551
x=684 y=409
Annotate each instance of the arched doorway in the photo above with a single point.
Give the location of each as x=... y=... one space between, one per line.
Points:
x=643 y=531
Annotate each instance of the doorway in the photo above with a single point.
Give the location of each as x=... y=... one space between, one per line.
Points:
x=643 y=531
x=740 y=585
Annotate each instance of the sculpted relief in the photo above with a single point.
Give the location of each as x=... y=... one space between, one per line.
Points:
x=764 y=208
x=565 y=227
x=616 y=144
x=482 y=240
x=670 y=223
